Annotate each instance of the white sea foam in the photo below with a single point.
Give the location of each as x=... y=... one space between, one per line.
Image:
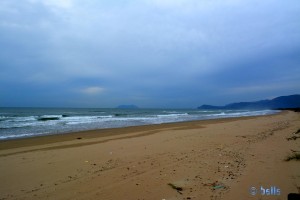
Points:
x=21 y=119
x=243 y=113
x=80 y=119
x=13 y=136
x=173 y=115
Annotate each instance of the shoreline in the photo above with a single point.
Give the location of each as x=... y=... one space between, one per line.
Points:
x=98 y=133
x=30 y=125
x=210 y=159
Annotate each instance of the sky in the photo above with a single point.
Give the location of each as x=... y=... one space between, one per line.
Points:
x=151 y=53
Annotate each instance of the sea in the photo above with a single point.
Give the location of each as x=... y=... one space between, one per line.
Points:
x=30 y=122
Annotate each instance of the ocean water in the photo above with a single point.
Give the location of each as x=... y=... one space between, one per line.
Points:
x=30 y=122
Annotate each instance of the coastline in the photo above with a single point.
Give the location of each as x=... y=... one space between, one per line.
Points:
x=106 y=132
x=29 y=122
x=139 y=162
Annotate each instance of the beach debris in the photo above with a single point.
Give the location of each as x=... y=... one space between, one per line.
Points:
x=79 y=138
x=215 y=185
x=293 y=138
x=218 y=187
x=294 y=151
x=294 y=156
x=175 y=187
x=86 y=161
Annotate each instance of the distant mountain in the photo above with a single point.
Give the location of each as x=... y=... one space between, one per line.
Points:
x=128 y=106
x=292 y=101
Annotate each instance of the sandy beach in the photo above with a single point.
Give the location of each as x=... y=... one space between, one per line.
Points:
x=212 y=159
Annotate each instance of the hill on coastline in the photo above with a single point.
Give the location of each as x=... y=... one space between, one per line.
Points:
x=292 y=101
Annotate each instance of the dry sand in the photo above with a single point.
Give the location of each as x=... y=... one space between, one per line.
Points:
x=214 y=159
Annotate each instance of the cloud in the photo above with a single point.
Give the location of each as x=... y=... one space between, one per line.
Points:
x=94 y=90
x=257 y=89
x=65 y=4
x=154 y=50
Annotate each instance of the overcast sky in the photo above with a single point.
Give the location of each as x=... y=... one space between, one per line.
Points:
x=152 y=53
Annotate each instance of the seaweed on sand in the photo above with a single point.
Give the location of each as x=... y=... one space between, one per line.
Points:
x=294 y=156
x=177 y=188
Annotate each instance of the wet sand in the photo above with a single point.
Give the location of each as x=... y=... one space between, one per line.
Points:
x=213 y=159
